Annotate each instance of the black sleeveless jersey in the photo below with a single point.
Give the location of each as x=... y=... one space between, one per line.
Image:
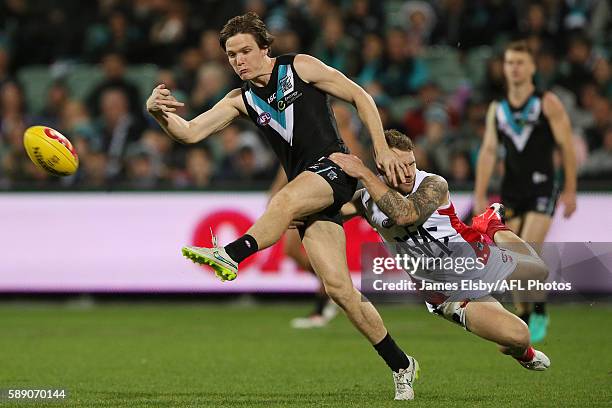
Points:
x=295 y=117
x=529 y=144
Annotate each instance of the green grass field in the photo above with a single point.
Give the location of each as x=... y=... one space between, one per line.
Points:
x=197 y=355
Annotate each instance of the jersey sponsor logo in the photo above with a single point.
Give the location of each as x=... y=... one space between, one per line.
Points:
x=287 y=100
x=264 y=118
x=271 y=98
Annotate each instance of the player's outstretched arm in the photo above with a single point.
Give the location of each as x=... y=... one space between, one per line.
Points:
x=431 y=194
x=335 y=83
x=562 y=132
x=162 y=105
x=486 y=162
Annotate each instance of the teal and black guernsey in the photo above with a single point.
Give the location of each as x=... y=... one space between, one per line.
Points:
x=529 y=143
x=295 y=117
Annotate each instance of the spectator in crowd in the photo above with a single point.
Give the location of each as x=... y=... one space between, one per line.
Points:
x=210 y=49
x=142 y=168
x=160 y=147
x=348 y=129
x=333 y=47
x=435 y=140
x=362 y=17
x=199 y=169
x=535 y=23
x=58 y=95
x=187 y=71
x=169 y=31
x=286 y=41
x=234 y=138
x=602 y=73
x=4 y=65
x=372 y=54
x=580 y=63
x=414 y=119
x=495 y=85
x=470 y=134
x=460 y=171
x=547 y=73
x=93 y=172
x=599 y=163
x=76 y=122
x=421 y=20
x=114 y=69
x=602 y=119
x=13 y=113
x=379 y=50
x=211 y=86
x=117 y=126
x=402 y=72
x=116 y=32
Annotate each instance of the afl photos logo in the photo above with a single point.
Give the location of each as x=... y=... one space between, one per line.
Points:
x=264 y=119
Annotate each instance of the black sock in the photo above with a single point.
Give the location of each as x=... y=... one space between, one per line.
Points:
x=242 y=248
x=539 y=308
x=525 y=317
x=320 y=303
x=390 y=352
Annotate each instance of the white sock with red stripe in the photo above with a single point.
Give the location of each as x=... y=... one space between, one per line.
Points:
x=528 y=355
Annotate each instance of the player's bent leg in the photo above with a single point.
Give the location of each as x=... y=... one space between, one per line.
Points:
x=325 y=310
x=324 y=242
x=488 y=319
x=308 y=193
x=530 y=267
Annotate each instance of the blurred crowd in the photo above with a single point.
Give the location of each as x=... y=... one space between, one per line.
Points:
x=397 y=50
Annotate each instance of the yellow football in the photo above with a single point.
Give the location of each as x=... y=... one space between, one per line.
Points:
x=50 y=150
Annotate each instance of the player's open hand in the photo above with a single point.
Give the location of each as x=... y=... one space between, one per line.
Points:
x=161 y=100
x=351 y=165
x=568 y=199
x=389 y=163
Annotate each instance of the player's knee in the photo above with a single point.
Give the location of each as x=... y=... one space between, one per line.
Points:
x=283 y=201
x=517 y=337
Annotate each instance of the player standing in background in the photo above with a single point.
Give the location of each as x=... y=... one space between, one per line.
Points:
x=287 y=97
x=529 y=124
x=420 y=214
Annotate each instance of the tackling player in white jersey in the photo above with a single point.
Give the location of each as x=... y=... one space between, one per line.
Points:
x=420 y=210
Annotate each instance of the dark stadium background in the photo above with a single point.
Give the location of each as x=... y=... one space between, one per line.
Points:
x=90 y=266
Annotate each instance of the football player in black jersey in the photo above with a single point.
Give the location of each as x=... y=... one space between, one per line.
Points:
x=287 y=97
x=530 y=125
